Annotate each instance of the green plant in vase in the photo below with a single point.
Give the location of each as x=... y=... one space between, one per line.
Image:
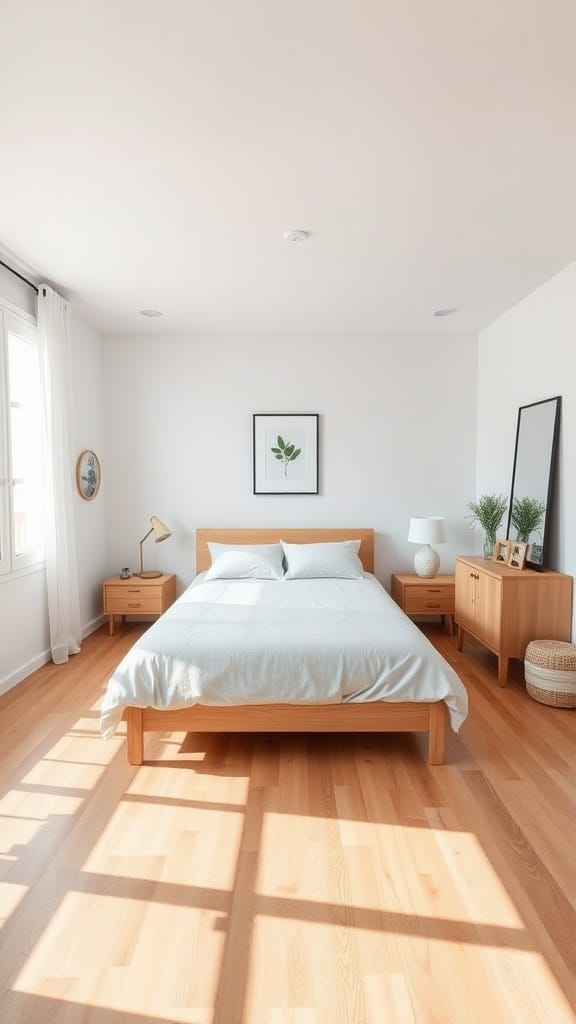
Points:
x=527 y=517
x=488 y=512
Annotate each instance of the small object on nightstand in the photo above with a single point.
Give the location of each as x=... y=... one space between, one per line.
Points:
x=420 y=596
x=125 y=574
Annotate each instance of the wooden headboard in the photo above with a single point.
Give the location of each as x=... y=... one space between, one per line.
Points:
x=260 y=535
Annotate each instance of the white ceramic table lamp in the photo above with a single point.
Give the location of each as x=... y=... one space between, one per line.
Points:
x=427 y=530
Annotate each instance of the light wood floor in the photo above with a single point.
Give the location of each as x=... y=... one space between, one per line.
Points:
x=285 y=880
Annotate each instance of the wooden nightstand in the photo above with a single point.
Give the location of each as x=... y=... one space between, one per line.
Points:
x=420 y=595
x=137 y=596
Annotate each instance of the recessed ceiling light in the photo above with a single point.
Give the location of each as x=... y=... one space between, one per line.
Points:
x=150 y=312
x=447 y=311
x=296 y=236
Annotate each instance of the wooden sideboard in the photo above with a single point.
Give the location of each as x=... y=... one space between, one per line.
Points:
x=505 y=608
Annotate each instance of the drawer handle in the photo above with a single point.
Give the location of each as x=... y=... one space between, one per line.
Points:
x=134 y=604
x=432 y=590
x=430 y=605
x=133 y=590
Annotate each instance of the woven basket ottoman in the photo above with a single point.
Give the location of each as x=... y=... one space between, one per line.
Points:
x=550 y=672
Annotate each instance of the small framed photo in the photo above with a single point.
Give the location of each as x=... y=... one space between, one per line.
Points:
x=501 y=550
x=88 y=474
x=535 y=556
x=285 y=453
x=517 y=554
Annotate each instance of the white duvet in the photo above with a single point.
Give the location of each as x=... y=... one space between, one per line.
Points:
x=281 y=641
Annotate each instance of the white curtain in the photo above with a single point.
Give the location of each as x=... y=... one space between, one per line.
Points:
x=61 y=564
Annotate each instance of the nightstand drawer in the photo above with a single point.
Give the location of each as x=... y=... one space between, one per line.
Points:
x=126 y=599
x=133 y=602
x=433 y=600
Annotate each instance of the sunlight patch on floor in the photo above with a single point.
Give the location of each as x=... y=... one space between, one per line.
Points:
x=421 y=871
x=155 y=781
x=56 y=774
x=530 y=987
x=72 y=939
x=293 y=1015
x=197 y=846
x=473 y=874
x=125 y=972
x=74 y=748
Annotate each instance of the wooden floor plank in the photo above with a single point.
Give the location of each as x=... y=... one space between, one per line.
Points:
x=255 y=879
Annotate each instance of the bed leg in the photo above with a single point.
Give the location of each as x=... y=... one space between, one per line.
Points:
x=437 y=732
x=135 y=728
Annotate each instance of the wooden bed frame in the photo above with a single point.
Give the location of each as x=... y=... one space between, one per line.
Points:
x=373 y=716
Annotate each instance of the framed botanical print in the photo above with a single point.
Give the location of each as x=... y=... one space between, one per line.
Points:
x=285 y=453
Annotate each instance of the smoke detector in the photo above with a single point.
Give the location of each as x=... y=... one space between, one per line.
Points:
x=296 y=236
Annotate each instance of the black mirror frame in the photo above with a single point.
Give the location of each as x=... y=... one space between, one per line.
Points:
x=551 y=477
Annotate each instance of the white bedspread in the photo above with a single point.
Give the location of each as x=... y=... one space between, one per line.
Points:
x=281 y=641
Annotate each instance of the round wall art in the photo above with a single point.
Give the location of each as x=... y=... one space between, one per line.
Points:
x=88 y=474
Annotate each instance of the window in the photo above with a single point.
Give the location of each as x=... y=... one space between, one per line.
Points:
x=21 y=485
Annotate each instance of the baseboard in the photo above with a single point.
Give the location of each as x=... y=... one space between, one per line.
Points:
x=25 y=670
x=92 y=626
x=42 y=659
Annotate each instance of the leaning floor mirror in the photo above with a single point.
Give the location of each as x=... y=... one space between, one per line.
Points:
x=535 y=456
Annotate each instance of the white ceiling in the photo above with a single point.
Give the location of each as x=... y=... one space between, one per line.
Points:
x=153 y=154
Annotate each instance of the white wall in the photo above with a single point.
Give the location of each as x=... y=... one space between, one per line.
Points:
x=527 y=355
x=90 y=516
x=24 y=635
x=397 y=437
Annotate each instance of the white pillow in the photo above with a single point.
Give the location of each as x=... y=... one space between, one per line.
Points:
x=245 y=561
x=311 y=561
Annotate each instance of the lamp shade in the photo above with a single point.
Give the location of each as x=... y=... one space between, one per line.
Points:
x=160 y=531
x=427 y=530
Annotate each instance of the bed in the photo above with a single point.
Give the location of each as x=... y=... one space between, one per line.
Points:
x=252 y=655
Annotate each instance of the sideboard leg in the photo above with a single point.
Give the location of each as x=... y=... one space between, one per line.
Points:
x=502 y=670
